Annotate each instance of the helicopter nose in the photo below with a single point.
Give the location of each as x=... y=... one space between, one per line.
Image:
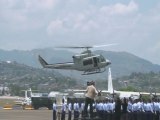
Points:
x=108 y=62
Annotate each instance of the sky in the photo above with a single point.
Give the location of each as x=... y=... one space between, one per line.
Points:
x=133 y=25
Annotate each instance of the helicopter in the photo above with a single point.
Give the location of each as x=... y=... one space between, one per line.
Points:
x=86 y=61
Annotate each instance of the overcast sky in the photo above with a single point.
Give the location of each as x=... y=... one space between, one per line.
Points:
x=31 y=24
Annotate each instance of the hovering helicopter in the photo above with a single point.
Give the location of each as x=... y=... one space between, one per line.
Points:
x=86 y=61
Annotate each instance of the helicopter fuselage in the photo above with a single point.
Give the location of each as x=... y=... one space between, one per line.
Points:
x=86 y=61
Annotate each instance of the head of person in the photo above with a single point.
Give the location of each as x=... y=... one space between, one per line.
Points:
x=93 y=83
x=118 y=100
x=63 y=100
x=88 y=83
x=55 y=101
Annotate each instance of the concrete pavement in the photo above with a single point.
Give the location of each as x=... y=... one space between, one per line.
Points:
x=25 y=114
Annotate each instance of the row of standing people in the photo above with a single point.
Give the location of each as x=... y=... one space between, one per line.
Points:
x=123 y=109
x=112 y=110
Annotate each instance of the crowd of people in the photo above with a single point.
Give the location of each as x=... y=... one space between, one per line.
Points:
x=108 y=109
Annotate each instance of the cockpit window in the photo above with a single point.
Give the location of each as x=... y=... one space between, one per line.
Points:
x=102 y=58
x=87 y=62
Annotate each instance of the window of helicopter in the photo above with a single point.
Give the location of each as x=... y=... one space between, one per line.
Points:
x=87 y=62
x=97 y=60
x=102 y=58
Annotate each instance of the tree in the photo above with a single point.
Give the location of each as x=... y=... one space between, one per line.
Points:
x=128 y=88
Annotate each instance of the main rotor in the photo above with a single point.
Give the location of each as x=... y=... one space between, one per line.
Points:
x=86 y=47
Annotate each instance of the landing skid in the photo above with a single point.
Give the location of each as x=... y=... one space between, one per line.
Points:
x=94 y=72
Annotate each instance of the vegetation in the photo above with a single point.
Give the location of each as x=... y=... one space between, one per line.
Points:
x=20 y=77
x=128 y=88
x=141 y=81
x=123 y=63
x=147 y=82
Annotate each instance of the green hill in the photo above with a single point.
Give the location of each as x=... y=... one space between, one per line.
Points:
x=19 y=77
x=123 y=63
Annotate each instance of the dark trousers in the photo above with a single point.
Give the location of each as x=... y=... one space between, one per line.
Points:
x=88 y=101
x=98 y=113
x=69 y=115
x=139 y=115
x=124 y=116
x=148 y=116
x=82 y=113
x=110 y=116
x=76 y=115
x=117 y=116
x=54 y=114
x=157 y=115
x=130 y=116
x=135 y=115
x=63 y=115
x=105 y=116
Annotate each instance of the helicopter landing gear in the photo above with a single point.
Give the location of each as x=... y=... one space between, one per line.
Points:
x=98 y=70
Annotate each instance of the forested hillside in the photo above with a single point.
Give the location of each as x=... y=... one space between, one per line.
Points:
x=149 y=82
x=123 y=63
x=19 y=77
x=20 y=70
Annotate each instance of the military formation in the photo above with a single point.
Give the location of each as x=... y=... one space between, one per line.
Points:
x=109 y=109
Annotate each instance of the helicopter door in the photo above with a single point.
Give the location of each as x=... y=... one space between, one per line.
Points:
x=95 y=61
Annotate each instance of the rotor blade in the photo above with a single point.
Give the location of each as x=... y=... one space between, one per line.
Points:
x=86 y=47
x=105 y=45
x=75 y=47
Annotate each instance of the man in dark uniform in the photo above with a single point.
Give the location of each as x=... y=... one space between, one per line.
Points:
x=118 y=109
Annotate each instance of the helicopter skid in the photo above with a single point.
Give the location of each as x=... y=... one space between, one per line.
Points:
x=93 y=72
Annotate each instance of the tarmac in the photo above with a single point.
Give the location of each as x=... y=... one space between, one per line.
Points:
x=26 y=115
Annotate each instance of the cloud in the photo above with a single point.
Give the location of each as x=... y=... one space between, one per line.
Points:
x=81 y=22
x=120 y=8
x=55 y=26
x=39 y=4
x=28 y=4
x=93 y=18
x=25 y=14
x=90 y=25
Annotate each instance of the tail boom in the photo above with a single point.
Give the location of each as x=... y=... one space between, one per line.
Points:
x=42 y=61
x=68 y=65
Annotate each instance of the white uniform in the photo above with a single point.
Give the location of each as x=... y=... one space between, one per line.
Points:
x=54 y=107
x=147 y=107
x=129 y=107
x=70 y=106
x=76 y=106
